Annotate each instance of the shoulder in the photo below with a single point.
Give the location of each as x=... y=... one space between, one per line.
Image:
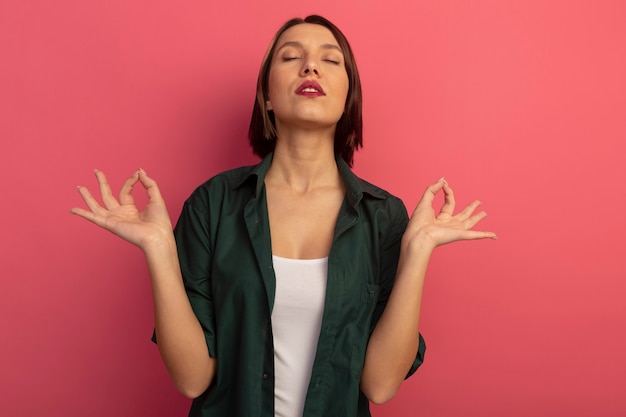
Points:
x=375 y=191
x=379 y=209
x=232 y=178
x=361 y=192
x=373 y=194
x=225 y=185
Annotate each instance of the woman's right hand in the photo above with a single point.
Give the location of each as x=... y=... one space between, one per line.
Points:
x=123 y=218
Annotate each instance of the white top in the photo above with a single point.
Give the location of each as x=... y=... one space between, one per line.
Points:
x=296 y=323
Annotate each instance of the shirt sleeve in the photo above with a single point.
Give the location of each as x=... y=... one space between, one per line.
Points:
x=390 y=254
x=195 y=256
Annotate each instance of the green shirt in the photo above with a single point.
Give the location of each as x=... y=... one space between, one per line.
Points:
x=225 y=252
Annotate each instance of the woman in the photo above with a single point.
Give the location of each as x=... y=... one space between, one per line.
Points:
x=290 y=288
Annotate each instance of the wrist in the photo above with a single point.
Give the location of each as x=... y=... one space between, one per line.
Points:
x=419 y=242
x=159 y=244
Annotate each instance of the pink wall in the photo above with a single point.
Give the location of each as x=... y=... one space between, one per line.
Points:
x=520 y=104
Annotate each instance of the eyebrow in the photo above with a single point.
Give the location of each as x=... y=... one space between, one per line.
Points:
x=299 y=45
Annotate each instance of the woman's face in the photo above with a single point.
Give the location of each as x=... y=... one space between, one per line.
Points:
x=308 y=83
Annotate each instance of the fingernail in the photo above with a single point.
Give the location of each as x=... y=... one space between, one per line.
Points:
x=95 y=170
x=442 y=179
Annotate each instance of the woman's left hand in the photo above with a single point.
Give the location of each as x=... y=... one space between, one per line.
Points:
x=438 y=229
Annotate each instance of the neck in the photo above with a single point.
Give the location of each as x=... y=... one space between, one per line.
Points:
x=303 y=161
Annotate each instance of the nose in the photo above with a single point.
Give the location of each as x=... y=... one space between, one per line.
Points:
x=310 y=67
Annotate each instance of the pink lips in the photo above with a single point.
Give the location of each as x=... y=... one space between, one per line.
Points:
x=310 y=88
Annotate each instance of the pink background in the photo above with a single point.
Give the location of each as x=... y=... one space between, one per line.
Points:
x=521 y=104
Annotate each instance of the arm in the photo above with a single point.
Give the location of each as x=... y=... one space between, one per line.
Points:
x=395 y=339
x=181 y=340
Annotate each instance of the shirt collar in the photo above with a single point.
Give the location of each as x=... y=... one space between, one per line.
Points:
x=355 y=187
x=257 y=172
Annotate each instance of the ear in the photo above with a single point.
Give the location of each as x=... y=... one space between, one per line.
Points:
x=268 y=105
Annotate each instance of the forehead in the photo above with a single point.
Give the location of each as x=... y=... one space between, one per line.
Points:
x=308 y=35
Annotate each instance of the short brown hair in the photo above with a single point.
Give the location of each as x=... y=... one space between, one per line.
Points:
x=348 y=134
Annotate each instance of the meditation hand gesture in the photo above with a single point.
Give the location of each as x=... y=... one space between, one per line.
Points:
x=122 y=217
x=445 y=227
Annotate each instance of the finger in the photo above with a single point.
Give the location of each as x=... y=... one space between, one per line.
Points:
x=470 y=222
x=154 y=194
x=89 y=215
x=431 y=191
x=476 y=234
x=126 y=196
x=468 y=210
x=105 y=190
x=449 y=202
x=91 y=202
